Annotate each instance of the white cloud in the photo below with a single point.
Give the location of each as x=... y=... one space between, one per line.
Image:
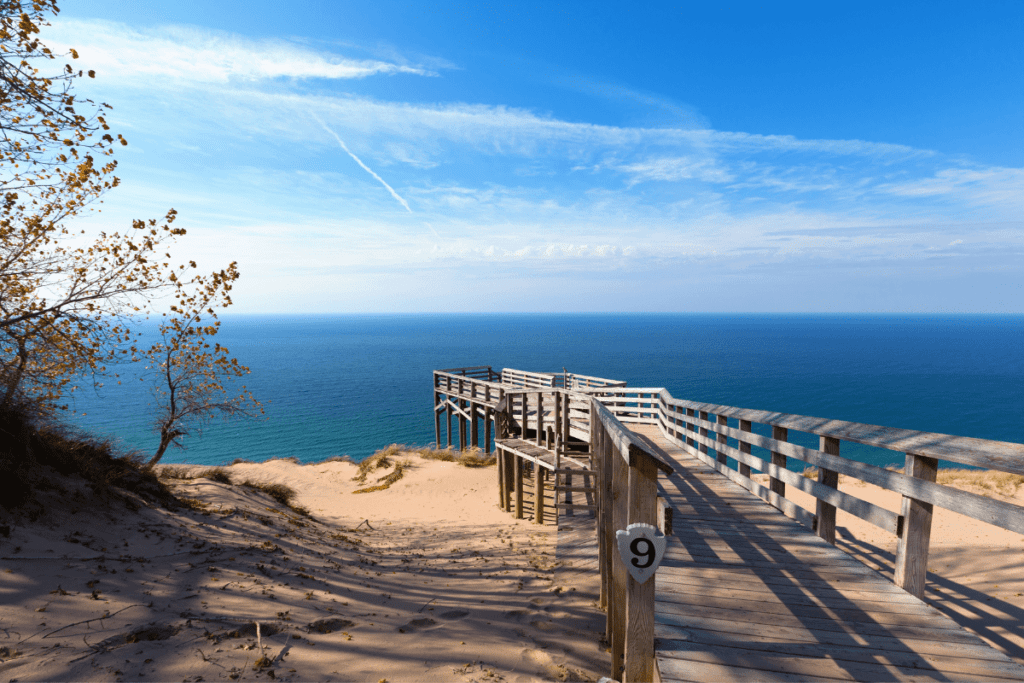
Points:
x=202 y=56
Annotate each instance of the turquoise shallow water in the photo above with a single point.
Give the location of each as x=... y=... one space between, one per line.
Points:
x=348 y=385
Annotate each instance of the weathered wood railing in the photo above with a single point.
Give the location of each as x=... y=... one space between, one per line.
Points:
x=626 y=492
x=534 y=406
x=715 y=434
x=466 y=394
x=626 y=473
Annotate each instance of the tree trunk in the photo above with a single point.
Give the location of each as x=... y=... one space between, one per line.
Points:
x=166 y=437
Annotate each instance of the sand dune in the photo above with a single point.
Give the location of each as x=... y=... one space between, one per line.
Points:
x=425 y=581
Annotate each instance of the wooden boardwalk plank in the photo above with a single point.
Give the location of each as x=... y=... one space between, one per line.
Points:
x=747 y=594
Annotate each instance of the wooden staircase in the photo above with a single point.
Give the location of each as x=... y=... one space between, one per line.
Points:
x=515 y=455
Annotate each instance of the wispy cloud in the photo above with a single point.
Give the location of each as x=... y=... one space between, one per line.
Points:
x=203 y=56
x=365 y=167
x=507 y=187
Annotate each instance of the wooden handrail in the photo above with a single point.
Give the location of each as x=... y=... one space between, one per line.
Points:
x=627 y=489
x=700 y=428
x=690 y=425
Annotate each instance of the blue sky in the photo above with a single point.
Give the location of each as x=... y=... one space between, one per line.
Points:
x=410 y=156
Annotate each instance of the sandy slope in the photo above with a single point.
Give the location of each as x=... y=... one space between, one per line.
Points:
x=426 y=581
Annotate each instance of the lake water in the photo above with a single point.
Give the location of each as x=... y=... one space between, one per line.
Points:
x=351 y=384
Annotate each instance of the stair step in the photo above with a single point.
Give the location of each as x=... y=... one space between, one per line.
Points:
x=582 y=489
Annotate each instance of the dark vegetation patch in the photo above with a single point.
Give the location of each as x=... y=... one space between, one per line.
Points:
x=37 y=452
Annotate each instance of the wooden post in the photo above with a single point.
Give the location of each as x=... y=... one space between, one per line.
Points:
x=777 y=485
x=509 y=465
x=825 y=519
x=723 y=439
x=502 y=498
x=437 y=414
x=912 y=551
x=540 y=419
x=565 y=423
x=474 y=429
x=596 y=445
x=525 y=413
x=558 y=426
x=462 y=423
x=745 y=448
x=639 y=645
x=539 y=474
x=488 y=416
x=704 y=432
x=690 y=412
x=619 y=520
x=448 y=418
x=518 y=464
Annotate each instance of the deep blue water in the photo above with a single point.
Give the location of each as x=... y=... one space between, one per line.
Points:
x=348 y=385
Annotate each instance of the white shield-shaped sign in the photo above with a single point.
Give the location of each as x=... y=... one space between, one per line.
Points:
x=642 y=548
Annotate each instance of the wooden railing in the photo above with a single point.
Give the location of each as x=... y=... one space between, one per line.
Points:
x=720 y=436
x=465 y=394
x=627 y=493
x=568 y=380
x=523 y=378
x=715 y=434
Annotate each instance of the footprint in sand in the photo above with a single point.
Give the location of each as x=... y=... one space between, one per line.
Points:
x=329 y=625
x=418 y=625
x=517 y=614
x=453 y=614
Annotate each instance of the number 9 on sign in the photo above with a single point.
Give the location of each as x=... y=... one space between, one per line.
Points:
x=641 y=547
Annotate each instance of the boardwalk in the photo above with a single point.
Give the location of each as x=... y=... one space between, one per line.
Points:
x=752 y=587
x=745 y=593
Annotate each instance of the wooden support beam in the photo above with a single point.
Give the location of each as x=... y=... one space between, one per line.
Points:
x=777 y=485
x=825 y=517
x=912 y=551
x=488 y=416
x=557 y=419
x=540 y=419
x=539 y=474
x=525 y=413
x=745 y=426
x=437 y=415
x=639 y=643
x=509 y=465
x=518 y=467
x=462 y=423
x=502 y=499
x=474 y=428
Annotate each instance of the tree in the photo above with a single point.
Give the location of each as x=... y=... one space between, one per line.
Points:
x=68 y=300
x=188 y=372
x=46 y=142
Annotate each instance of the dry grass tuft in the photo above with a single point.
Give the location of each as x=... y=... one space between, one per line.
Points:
x=382 y=459
x=812 y=473
x=216 y=474
x=282 y=493
x=986 y=481
x=387 y=480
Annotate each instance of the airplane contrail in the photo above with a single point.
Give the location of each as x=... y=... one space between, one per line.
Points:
x=365 y=167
